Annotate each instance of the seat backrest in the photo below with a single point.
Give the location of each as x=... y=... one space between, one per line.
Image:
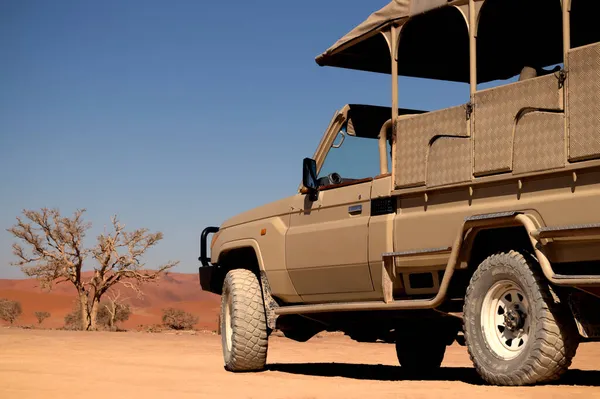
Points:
x=496 y=112
x=414 y=135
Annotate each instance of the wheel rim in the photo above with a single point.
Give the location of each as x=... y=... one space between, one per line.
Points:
x=505 y=319
x=228 y=327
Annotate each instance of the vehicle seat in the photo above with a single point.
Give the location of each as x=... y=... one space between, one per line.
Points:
x=527 y=73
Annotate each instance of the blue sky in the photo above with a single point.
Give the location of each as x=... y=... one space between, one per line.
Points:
x=172 y=114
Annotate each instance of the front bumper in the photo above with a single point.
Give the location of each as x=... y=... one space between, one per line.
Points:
x=209 y=278
x=204 y=258
x=209 y=274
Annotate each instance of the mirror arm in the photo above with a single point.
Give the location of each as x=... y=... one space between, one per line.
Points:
x=309 y=179
x=313 y=195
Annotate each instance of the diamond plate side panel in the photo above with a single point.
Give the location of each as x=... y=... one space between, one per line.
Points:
x=495 y=113
x=584 y=103
x=414 y=135
x=449 y=161
x=539 y=142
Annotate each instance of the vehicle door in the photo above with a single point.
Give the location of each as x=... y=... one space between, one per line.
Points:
x=327 y=241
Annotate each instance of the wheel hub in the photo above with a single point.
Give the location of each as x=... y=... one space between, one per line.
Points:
x=504 y=320
x=514 y=318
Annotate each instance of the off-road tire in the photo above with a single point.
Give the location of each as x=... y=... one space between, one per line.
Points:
x=420 y=353
x=243 y=322
x=552 y=338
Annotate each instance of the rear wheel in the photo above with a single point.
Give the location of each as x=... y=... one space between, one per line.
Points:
x=516 y=330
x=420 y=353
x=243 y=322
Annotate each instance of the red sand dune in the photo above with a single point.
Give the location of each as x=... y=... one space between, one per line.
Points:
x=176 y=290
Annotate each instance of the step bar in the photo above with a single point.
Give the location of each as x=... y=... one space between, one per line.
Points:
x=581 y=230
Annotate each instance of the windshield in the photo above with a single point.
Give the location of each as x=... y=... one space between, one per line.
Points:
x=355 y=158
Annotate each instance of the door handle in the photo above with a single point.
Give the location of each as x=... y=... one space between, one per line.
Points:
x=355 y=209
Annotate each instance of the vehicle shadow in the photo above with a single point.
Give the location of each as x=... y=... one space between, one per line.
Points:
x=380 y=372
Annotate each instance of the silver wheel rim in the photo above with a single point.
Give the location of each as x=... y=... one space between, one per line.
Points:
x=228 y=327
x=505 y=319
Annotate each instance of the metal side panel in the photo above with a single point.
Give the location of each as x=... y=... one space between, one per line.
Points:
x=539 y=142
x=414 y=135
x=449 y=161
x=583 y=107
x=495 y=113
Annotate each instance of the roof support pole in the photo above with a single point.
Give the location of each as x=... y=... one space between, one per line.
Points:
x=566 y=23
x=472 y=47
x=383 y=140
x=395 y=36
x=566 y=15
x=394 y=57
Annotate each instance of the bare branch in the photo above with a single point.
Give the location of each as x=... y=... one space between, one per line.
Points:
x=119 y=255
x=54 y=245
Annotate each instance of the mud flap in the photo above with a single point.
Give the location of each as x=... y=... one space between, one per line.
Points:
x=270 y=303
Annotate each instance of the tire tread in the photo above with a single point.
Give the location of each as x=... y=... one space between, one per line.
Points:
x=249 y=338
x=554 y=344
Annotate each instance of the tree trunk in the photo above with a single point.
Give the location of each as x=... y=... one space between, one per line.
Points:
x=85 y=316
x=89 y=312
x=111 y=320
x=94 y=313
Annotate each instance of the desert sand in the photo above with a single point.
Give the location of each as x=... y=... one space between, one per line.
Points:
x=69 y=364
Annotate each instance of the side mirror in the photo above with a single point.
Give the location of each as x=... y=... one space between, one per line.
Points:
x=309 y=178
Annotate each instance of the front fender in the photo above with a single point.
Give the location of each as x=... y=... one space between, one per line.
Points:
x=217 y=252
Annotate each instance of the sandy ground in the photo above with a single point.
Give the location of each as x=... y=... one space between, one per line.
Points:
x=65 y=364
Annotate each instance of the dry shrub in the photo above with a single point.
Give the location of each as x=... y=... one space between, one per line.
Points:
x=152 y=328
x=73 y=319
x=10 y=310
x=41 y=316
x=177 y=319
x=108 y=315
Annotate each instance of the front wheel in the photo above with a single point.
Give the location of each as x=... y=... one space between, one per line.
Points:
x=516 y=331
x=243 y=322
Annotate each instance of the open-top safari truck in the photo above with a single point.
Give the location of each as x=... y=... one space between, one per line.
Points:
x=478 y=223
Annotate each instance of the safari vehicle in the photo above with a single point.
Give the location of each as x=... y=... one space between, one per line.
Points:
x=478 y=223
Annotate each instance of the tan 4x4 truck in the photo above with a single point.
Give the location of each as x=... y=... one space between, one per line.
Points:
x=478 y=223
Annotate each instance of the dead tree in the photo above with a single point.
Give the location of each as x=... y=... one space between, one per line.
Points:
x=56 y=254
x=116 y=309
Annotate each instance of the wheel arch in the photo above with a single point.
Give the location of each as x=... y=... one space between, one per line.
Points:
x=487 y=241
x=246 y=254
x=236 y=248
x=500 y=233
x=238 y=254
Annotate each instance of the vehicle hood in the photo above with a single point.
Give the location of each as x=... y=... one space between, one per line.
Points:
x=273 y=209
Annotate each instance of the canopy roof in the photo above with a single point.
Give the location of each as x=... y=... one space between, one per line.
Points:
x=364 y=48
x=434 y=39
x=394 y=11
